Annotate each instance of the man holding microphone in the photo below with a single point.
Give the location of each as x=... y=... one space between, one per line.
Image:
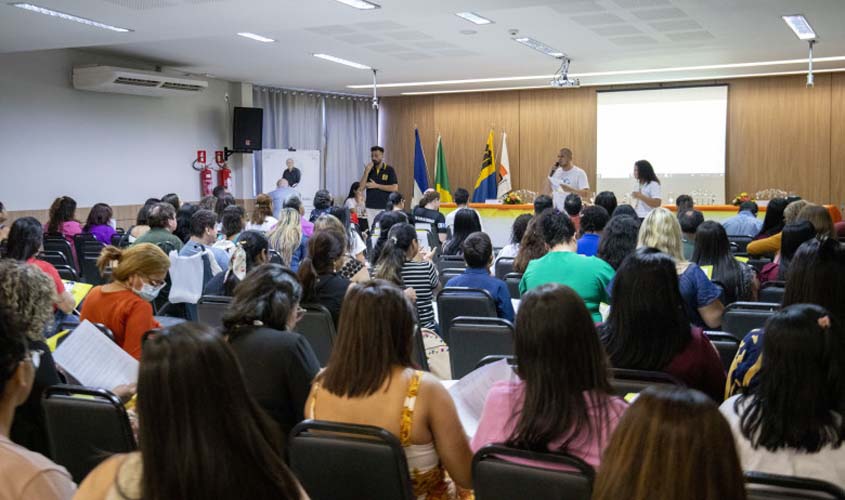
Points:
x=379 y=180
x=565 y=178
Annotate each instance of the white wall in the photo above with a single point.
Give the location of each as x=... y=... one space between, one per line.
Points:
x=96 y=147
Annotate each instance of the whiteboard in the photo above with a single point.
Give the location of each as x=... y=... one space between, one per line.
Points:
x=273 y=163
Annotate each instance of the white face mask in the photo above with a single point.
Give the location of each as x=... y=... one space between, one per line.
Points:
x=148 y=292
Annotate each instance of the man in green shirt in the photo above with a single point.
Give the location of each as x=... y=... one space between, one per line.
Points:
x=162 y=221
x=589 y=277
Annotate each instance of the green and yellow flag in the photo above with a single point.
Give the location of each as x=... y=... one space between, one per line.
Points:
x=441 y=176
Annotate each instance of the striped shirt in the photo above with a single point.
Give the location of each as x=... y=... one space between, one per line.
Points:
x=423 y=278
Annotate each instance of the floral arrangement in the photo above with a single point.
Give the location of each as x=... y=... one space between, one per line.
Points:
x=771 y=193
x=742 y=198
x=512 y=198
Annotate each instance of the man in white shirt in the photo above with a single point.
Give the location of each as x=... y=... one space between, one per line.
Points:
x=567 y=178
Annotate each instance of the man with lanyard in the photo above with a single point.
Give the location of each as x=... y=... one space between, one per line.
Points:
x=566 y=178
x=379 y=180
x=291 y=174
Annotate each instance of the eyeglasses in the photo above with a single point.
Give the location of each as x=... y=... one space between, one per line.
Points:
x=34 y=357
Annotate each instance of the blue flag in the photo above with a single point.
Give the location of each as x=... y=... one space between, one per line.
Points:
x=420 y=169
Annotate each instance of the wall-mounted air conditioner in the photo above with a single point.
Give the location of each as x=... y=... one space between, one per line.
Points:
x=132 y=81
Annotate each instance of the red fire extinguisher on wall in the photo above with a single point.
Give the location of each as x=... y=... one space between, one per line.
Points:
x=206 y=179
x=224 y=173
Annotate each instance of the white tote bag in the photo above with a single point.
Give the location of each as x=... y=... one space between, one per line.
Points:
x=186 y=277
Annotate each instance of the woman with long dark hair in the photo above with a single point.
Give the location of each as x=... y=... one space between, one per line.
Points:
x=183 y=221
x=63 y=221
x=369 y=380
x=355 y=244
x=319 y=273
x=619 y=240
x=563 y=400
x=188 y=435
x=712 y=248
x=99 y=223
x=531 y=247
x=351 y=268
x=651 y=331
x=790 y=423
x=387 y=221
x=648 y=196
x=466 y=223
x=249 y=252
x=773 y=221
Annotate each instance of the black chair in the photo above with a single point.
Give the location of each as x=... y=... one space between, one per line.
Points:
x=66 y=272
x=475 y=338
x=317 y=327
x=91 y=247
x=336 y=461
x=512 y=280
x=496 y=478
x=726 y=344
x=54 y=258
x=486 y=360
x=772 y=291
x=447 y=274
x=84 y=427
x=462 y=301
x=80 y=239
x=115 y=239
x=210 y=309
x=450 y=262
x=626 y=381
x=764 y=486
x=90 y=271
x=741 y=242
x=758 y=262
x=276 y=258
x=504 y=266
x=53 y=243
x=740 y=318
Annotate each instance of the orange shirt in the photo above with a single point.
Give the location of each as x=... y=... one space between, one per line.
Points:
x=126 y=314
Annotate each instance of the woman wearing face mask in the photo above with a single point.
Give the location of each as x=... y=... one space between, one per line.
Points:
x=123 y=305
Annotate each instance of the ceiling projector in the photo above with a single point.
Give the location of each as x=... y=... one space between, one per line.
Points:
x=565 y=83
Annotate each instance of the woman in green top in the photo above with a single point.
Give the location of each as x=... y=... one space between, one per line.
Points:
x=588 y=276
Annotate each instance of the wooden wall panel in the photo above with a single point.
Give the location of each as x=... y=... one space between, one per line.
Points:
x=398 y=116
x=837 y=140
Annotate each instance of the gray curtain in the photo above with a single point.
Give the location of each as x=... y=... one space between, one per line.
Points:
x=350 y=132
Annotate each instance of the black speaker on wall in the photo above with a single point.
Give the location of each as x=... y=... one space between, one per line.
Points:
x=246 y=129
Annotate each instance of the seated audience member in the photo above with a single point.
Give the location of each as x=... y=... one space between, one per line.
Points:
x=63 y=220
x=651 y=331
x=26 y=295
x=820 y=218
x=562 y=400
x=593 y=220
x=355 y=204
x=572 y=205
x=249 y=252
x=816 y=276
x=183 y=221
x=4 y=227
x=141 y=222
x=287 y=238
x=224 y=201
x=712 y=248
x=689 y=220
x=174 y=460
x=370 y=380
x=219 y=191
x=789 y=422
x=173 y=199
x=278 y=364
x=745 y=222
x=770 y=244
x=395 y=203
x=683 y=203
x=466 y=223
x=619 y=240
x=628 y=210
x=280 y=195
x=461 y=199
x=231 y=225
x=428 y=214
x=606 y=200
x=478 y=254
x=670 y=444
x=402 y=263
x=23 y=244
x=351 y=268
x=319 y=273
x=295 y=203
x=661 y=230
x=24 y=474
x=792 y=236
x=209 y=202
x=262 y=215
x=542 y=203
x=388 y=221
x=839 y=227
x=322 y=203
x=99 y=223
x=355 y=244
x=203 y=236
x=773 y=220
x=138 y=275
x=161 y=218
x=531 y=247
x=520 y=224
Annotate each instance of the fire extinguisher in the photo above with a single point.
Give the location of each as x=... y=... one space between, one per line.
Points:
x=206 y=181
x=224 y=173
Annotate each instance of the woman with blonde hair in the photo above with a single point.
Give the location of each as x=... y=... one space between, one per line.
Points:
x=138 y=274
x=287 y=238
x=262 y=215
x=351 y=269
x=820 y=218
x=661 y=230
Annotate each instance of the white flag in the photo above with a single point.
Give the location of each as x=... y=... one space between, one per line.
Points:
x=504 y=169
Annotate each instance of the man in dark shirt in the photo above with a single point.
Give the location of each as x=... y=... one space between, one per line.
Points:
x=379 y=180
x=428 y=213
x=291 y=174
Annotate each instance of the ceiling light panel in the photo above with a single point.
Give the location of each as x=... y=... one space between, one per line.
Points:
x=360 y=4
x=474 y=18
x=69 y=17
x=538 y=46
x=257 y=38
x=338 y=60
x=800 y=26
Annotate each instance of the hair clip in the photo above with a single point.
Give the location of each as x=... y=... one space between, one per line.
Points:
x=824 y=322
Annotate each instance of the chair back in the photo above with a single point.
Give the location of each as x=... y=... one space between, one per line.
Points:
x=210 y=309
x=758 y=263
x=84 y=427
x=772 y=291
x=447 y=274
x=740 y=318
x=90 y=271
x=726 y=344
x=59 y=244
x=764 y=486
x=115 y=239
x=492 y=358
x=91 y=247
x=317 y=327
x=504 y=266
x=80 y=239
x=494 y=477
x=54 y=258
x=741 y=242
x=450 y=262
x=462 y=301
x=335 y=461
x=474 y=338
x=66 y=272
x=512 y=280
x=626 y=381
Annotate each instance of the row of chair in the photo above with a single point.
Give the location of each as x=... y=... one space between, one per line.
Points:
x=58 y=252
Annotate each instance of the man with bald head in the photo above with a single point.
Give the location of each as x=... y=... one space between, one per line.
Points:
x=291 y=174
x=570 y=178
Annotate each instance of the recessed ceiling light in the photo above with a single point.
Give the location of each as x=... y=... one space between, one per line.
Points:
x=338 y=60
x=474 y=18
x=69 y=17
x=257 y=38
x=468 y=32
x=538 y=46
x=360 y=4
x=800 y=26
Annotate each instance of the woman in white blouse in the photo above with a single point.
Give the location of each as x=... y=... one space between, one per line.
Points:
x=648 y=197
